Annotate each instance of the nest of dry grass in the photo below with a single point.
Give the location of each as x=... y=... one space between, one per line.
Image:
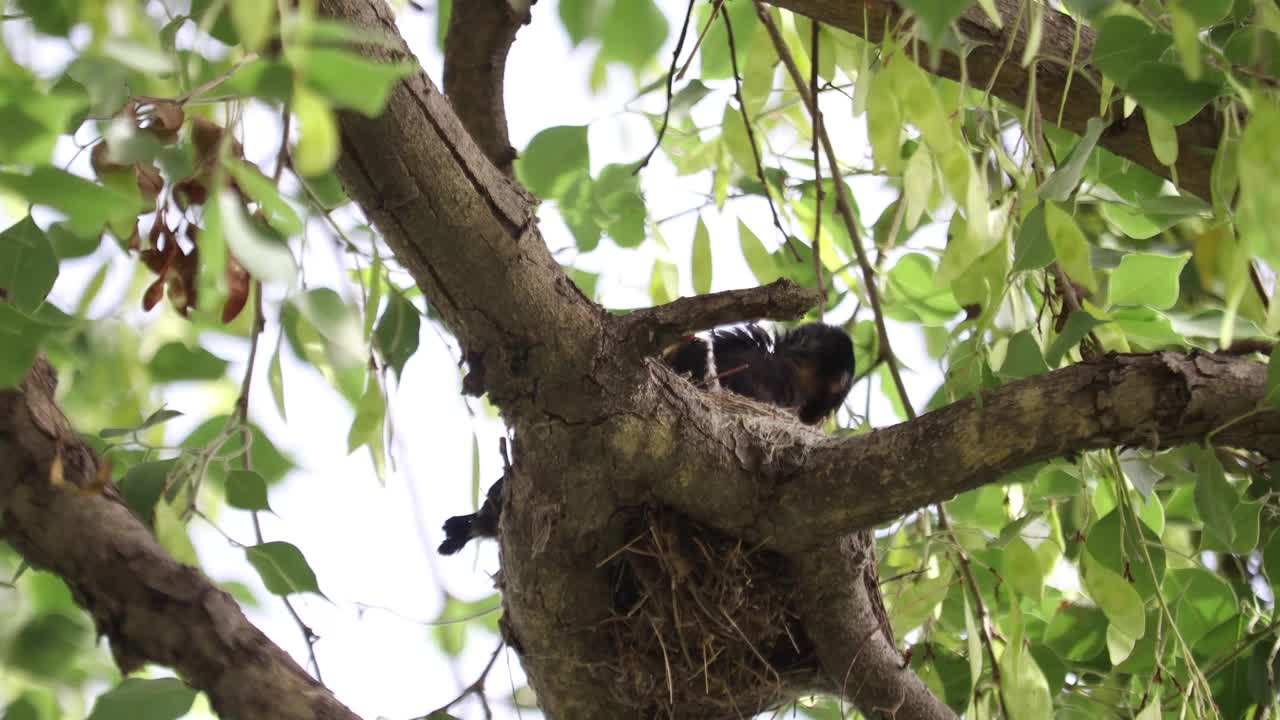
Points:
x=703 y=624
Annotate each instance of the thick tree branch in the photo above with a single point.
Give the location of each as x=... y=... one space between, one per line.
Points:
x=857 y=658
x=466 y=232
x=475 y=64
x=988 y=62
x=151 y=608
x=821 y=488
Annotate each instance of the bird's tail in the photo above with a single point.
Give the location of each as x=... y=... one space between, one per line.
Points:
x=457 y=533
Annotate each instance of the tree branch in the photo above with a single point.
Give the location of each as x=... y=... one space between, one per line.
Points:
x=466 y=233
x=858 y=659
x=822 y=488
x=151 y=608
x=475 y=64
x=654 y=328
x=1079 y=99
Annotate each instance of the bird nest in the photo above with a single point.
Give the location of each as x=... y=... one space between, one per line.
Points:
x=703 y=624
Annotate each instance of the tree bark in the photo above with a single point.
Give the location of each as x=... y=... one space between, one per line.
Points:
x=150 y=607
x=601 y=431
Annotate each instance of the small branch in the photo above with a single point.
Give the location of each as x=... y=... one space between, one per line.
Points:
x=480 y=36
x=476 y=688
x=241 y=418
x=816 y=115
x=751 y=138
x=843 y=204
x=656 y=327
x=671 y=76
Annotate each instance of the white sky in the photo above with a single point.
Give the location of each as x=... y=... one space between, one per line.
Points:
x=372 y=545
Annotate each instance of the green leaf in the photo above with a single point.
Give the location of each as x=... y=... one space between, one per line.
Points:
x=280 y=214
x=1271 y=561
x=1077 y=633
x=144 y=699
x=581 y=18
x=28 y=265
x=664 y=282
x=1215 y=498
x=283 y=568
x=396 y=336
x=620 y=204
x=253 y=21
x=1200 y=600
x=1124 y=43
x=1147 y=279
x=275 y=378
x=733 y=133
x=1245 y=529
x=88 y=205
x=46 y=645
x=1069 y=245
x=552 y=160
x=1025 y=689
x=351 y=80
x=633 y=33
x=1022 y=568
x=1164 y=89
x=367 y=425
x=1118 y=600
x=266 y=257
x=156 y=418
x=175 y=361
x=1079 y=324
x=758 y=258
x=1033 y=249
x=702 y=259
x=1117 y=546
x=1023 y=358
x=68 y=245
x=269 y=80
x=937 y=15
x=247 y=490
x=1059 y=186
x=142 y=486
x=317 y=148
x=337 y=324
x=916 y=601
x=912 y=295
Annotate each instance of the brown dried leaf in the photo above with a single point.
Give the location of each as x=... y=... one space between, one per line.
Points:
x=100 y=161
x=150 y=183
x=166 y=120
x=154 y=292
x=238 y=289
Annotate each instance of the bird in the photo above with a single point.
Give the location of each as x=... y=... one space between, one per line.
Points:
x=807 y=371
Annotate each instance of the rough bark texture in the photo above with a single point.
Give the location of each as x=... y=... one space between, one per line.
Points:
x=602 y=432
x=989 y=59
x=475 y=65
x=150 y=607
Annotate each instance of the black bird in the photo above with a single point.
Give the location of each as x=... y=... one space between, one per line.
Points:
x=807 y=370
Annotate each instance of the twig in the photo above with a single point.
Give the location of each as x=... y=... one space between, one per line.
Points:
x=751 y=137
x=659 y=326
x=476 y=688
x=246 y=439
x=816 y=117
x=671 y=76
x=843 y=206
